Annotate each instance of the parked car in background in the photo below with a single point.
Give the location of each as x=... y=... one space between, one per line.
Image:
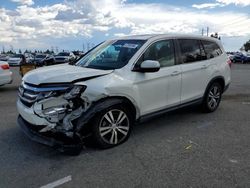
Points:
x=239 y=57
x=64 y=57
x=29 y=57
x=120 y=82
x=247 y=58
x=15 y=59
x=4 y=57
x=44 y=59
x=5 y=73
x=77 y=54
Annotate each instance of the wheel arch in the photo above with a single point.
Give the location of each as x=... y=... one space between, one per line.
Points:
x=218 y=79
x=126 y=102
x=101 y=104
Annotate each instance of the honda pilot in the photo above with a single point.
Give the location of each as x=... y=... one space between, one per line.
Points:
x=118 y=83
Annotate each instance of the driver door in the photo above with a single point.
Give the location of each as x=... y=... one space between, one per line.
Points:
x=162 y=89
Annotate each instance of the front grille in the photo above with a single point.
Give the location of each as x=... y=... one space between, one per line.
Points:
x=28 y=93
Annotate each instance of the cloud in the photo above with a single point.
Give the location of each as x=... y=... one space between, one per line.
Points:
x=69 y=15
x=24 y=2
x=207 y=5
x=236 y=2
x=222 y=3
x=82 y=18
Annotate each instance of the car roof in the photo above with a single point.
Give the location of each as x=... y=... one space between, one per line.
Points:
x=159 y=36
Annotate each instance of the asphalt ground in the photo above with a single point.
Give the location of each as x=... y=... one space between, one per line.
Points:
x=185 y=148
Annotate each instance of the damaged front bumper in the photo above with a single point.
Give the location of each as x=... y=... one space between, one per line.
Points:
x=48 y=116
x=62 y=142
x=60 y=119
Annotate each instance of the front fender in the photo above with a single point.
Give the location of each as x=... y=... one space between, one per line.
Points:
x=94 y=109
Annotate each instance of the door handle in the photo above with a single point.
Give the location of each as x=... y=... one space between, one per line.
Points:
x=204 y=66
x=175 y=73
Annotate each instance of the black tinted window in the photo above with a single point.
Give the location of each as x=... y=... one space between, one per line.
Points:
x=212 y=49
x=162 y=51
x=191 y=50
x=63 y=54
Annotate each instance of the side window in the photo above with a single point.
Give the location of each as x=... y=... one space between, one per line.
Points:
x=191 y=50
x=162 y=51
x=212 y=49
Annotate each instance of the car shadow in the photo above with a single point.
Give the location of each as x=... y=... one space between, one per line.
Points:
x=8 y=88
x=15 y=140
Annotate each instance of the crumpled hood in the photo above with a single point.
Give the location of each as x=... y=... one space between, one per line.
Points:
x=61 y=74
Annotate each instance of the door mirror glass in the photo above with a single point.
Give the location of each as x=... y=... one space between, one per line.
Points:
x=149 y=66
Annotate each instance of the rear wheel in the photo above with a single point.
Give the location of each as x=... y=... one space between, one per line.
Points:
x=212 y=98
x=112 y=126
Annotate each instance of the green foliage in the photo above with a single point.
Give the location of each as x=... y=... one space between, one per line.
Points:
x=247 y=46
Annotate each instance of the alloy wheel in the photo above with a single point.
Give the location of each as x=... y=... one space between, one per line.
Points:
x=214 y=97
x=114 y=126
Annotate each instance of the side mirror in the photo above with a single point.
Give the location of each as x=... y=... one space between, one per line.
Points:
x=149 y=66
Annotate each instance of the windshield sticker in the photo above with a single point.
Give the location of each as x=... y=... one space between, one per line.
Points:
x=130 y=45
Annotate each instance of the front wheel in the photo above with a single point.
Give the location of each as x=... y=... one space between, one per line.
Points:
x=212 y=98
x=112 y=126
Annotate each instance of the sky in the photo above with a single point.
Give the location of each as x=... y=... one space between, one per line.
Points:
x=79 y=24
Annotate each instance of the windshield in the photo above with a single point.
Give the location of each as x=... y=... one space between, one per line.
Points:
x=40 y=56
x=111 y=55
x=63 y=54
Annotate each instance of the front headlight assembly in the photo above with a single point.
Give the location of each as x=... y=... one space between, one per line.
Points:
x=74 y=92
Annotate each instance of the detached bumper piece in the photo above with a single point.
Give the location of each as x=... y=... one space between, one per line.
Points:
x=59 y=141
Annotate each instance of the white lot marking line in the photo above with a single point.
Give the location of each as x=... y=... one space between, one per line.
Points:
x=233 y=161
x=57 y=182
x=205 y=125
x=246 y=103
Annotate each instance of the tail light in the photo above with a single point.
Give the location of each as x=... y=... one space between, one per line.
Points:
x=229 y=62
x=5 y=67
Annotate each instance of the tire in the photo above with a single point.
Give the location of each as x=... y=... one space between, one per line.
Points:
x=107 y=133
x=212 y=98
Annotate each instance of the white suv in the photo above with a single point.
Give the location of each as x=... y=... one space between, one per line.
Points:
x=118 y=83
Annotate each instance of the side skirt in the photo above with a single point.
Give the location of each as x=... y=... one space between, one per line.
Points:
x=158 y=113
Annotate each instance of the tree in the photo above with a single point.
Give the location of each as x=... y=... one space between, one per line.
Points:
x=215 y=36
x=20 y=51
x=3 y=50
x=247 y=46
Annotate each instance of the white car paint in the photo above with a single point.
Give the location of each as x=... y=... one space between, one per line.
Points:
x=61 y=74
x=5 y=74
x=14 y=61
x=148 y=92
x=64 y=59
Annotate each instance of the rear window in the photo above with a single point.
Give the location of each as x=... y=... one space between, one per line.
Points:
x=191 y=50
x=17 y=56
x=63 y=54
x=40 y=56
x=211 y=48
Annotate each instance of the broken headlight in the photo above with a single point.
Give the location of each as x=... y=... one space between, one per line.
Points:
x=74 y=92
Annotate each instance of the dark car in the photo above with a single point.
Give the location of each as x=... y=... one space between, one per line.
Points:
x=247 y=59
x=239 y=58
x=44 y=59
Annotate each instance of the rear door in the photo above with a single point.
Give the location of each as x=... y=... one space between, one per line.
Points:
x=159 y=90
x=194 y=69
